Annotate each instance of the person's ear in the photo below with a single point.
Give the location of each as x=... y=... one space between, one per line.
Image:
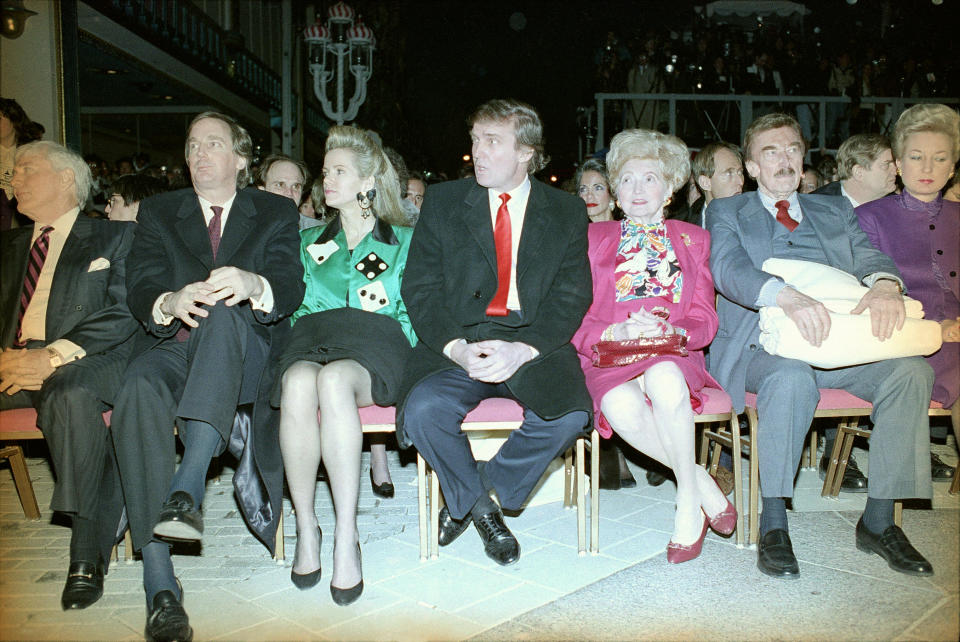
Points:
x=703 y=182
x=752 y=168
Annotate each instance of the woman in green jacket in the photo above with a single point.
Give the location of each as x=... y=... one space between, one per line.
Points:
x=350 y=338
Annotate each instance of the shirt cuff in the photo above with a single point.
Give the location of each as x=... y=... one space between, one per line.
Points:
x=768 y=293
x=448 y=349
x=159 y=317
x=264 y=302
x=871 y=279
x=68 y=350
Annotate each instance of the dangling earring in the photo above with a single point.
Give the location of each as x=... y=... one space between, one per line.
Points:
x=898 y=172
x=667 y=202
x=365 y=201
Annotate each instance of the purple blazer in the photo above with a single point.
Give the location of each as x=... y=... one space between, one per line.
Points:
x=922 y=239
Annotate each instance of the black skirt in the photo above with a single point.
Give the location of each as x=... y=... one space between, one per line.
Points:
x=375 y=341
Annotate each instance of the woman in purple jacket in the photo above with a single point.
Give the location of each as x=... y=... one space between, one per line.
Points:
x=919 y=229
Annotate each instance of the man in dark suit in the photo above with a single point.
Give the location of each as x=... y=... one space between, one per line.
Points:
x=717 y=170
x=777 y=222
x=66 y=334
x=497 y=281
x=213 y=271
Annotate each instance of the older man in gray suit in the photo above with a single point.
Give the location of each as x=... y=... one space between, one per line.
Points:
x=777 y=222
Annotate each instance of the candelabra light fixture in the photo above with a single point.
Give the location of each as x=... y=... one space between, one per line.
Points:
x=339 y=47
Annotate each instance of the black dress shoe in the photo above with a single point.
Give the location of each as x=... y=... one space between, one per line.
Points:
x=304 y=581
x=84 y=585
x=383 y=490
x=775 y=555
x=893 y=546
x=347 y=596
x=939 y=469
x=853 y=479
x=167 y=621
x=654 y=478
x=498 y=542
x=179 y=519
x=450 y=528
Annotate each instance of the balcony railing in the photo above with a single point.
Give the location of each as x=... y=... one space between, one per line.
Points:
x=184 y=31
x=892 y=108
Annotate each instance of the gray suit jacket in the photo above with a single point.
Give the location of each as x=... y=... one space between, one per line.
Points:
x=742 y=239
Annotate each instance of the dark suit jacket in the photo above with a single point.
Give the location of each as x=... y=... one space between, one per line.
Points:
x=451 y=277
x=87 y=308
x=830 y=189
x=741 y=230
x=171 y=250
x=690 y=213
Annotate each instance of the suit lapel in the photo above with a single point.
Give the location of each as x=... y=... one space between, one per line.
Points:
x=240 y=223
x=827 y=226
x=74 y=260
x=193 y=231
x=476 y=218
x=537 y=226
x=756 y=225
x=689 y=267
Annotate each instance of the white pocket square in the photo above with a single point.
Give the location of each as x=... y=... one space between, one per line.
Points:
x=98 y=264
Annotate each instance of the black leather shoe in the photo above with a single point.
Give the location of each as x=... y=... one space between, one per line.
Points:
x=893 y=546
x=450 y=528
x=498 y=542
x=347 y=596
x=853 y=479
x=940 y=470
x=383 y=490
x=304 y=581
x=654 y=478
x=179 y=519
x=775 y=555
x=84 y=585
x=167 y=621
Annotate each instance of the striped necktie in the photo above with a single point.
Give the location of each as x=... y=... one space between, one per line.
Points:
x=38 y=255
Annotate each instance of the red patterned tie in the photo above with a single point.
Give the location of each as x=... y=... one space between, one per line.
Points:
x=38 y=255
x=502 y=241
x=783 y=215
x=213 y=229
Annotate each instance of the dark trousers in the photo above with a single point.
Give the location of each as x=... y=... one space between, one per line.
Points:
x=70 y=414
x=204 y=378
x=433 y=413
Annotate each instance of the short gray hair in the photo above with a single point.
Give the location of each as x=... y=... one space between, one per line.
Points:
x=862 y=150
x=668 y=151
x=62 y=158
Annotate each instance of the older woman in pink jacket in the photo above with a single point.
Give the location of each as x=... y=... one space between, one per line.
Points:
x=639 y=264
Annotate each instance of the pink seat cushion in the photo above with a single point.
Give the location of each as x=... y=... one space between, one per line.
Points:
x=830 y=399
x=18 y=420
x=715 y=401
x=496 y=409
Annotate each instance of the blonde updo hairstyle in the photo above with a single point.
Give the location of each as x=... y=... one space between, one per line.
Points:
x=371 y=161
x=927 y=117
x=670 y=153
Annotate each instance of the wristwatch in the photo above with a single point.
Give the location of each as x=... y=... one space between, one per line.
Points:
x=55 y=359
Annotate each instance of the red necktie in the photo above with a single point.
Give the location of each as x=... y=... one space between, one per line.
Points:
x=502 y=241
x=38 y=255
x=213 y=229
x=783 y=215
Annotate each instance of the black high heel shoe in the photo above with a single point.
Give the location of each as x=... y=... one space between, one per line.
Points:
x=304 y=581
x=346 y=596
x=383 y=490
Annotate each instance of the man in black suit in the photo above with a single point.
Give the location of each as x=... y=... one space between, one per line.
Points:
x=213 y=271
x=66 y=334
x=717 y=170
x=497 y=281
x=866 y=169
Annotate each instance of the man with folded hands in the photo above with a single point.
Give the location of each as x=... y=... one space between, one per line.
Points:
x=777 y=222
x=66 y=334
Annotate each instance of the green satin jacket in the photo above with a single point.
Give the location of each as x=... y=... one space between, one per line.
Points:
x=367 y=278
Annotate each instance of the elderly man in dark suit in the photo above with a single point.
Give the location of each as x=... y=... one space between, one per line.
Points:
x=66 y=334
x=213 y=271
x=497 y=281
x=777 y=222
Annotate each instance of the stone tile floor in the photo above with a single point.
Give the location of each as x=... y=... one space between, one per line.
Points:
x=234 y=591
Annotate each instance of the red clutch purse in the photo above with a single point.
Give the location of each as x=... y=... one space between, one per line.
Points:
x=609 y=354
